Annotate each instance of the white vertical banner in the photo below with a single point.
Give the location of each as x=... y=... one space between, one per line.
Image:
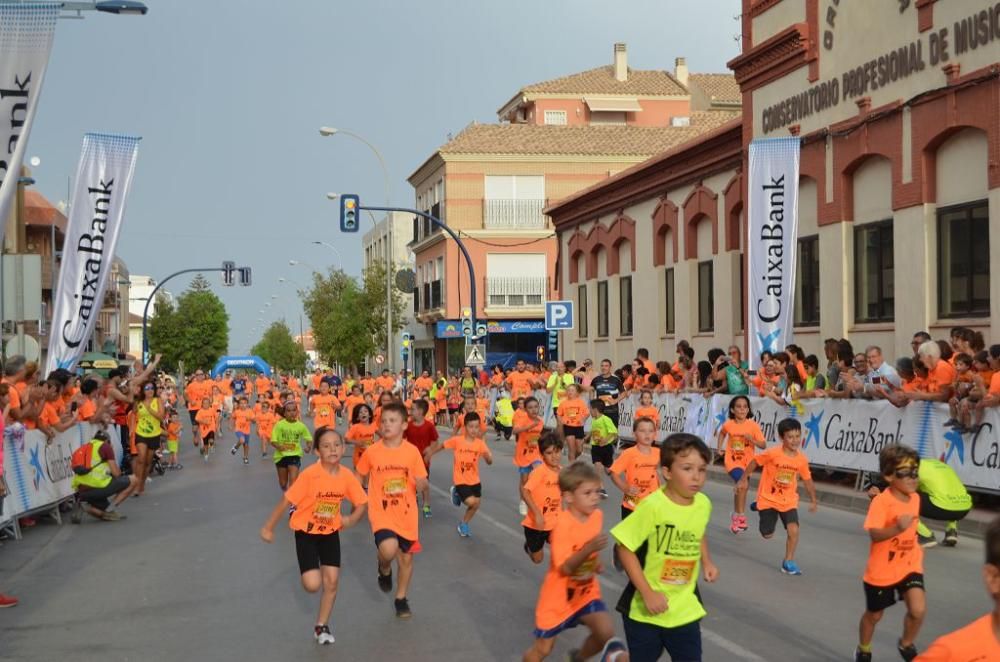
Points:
x=103 y=179
x=26 y=32
x=772 y=220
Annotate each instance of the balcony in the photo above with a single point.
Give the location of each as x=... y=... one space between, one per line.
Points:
x=516 y=292
x=501 y=214
x=431 y=298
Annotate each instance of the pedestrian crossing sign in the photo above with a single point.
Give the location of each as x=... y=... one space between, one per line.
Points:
x=475 y=355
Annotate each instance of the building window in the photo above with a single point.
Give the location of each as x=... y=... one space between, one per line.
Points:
x=555 y=117
x=602 y=309
x=581 y=302
x=706 y=298
x=807 y=282
x=607 y=118
x=669 y=281
x=625 y=304
x=964 y=260
x=874 y=294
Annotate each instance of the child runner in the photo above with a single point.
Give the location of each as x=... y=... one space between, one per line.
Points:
x=361 y=433
x=242 y=420
x=977 y=640
x=352 y=401
x=316 y=498
x=542 y=497
x=739 y=437
x=640 y=465
x=527 y=429
x=661 y=606
x=572 y=413
x=265 y=420
x=895 y=561
x=173 y=439
x=286 y=438
x=421 y=432
x=778 y=492
x=323 y=407
x=647 y=409
x=602 y=437
x=503 y=421
x=570 y=594
x=468 y=407
x=466 y=487
x=208 y=421
x=395 y=473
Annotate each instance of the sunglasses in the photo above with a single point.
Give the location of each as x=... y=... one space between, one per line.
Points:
x=904 y=473
x=147 y=388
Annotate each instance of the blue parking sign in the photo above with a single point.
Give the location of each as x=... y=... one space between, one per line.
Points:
x=558 y=315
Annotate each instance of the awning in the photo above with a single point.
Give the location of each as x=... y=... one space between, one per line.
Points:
x=613 y=104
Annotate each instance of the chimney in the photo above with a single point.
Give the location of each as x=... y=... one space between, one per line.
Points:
x=621 y=63
x=681 y=70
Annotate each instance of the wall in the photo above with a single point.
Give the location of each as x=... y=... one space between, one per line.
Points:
x=655 y=112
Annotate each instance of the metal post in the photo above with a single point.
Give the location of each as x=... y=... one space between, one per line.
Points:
x=152 y=297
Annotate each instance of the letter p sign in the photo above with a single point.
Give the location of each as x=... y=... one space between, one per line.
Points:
x=558 y=315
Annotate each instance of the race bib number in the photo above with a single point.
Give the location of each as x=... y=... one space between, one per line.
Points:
x=394 y=487
x=737 y=444
x=783 y=478
x=326 y=511
x=677 y=572
x=324 y=413
x=532 y=440
x=586 y=570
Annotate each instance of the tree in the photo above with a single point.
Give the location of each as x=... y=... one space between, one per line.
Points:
x=374 y=294
x=163 y=332
x=195 y=332
x=279 y=349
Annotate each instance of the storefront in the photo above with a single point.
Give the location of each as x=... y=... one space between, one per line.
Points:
x=507 y=342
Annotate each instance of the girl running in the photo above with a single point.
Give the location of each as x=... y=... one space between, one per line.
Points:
x=739 y=437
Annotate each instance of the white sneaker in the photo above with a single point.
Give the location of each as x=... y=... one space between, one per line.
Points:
x=523 y=508
x=323 y=635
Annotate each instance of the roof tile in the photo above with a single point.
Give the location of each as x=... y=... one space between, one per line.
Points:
x=602 y=81
x=722 y=88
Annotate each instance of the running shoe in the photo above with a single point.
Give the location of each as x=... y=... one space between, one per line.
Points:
x=112 y=517
x=861 y=656
x=455 y=499
x=734 y=524
x=790 y=568
x=463 y=530
x=232 y=451
x=742 y=521
x=613 y=649
x=403 y=608
x=427 y=512
x=603 y=492
x=522 y=508
x=908 y=653
x=926 y=541
x=246 y=460
x=384 y=581
x=950 y=536
x=204 y=456
x=416 y=547
x=77 y=515
x=7 y=601
x=322 y=635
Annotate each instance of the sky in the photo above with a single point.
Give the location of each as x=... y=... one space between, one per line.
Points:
x=228 y=96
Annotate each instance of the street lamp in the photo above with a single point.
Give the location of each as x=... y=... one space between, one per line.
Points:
x=302 y=263
x=333 y=248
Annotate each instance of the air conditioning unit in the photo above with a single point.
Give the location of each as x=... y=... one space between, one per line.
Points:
x=680 y=121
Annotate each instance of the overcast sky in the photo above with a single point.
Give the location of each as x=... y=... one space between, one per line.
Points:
x=228 y=96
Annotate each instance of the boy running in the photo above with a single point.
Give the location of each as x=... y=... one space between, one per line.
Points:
x=640 y=466
x=661 y=606
x=466 y=487
x=895 y=560
x=778 y=493
x=527 y=430
x=316 y=498
x=173 y=439
x=286 y=438
x=395 y=474
x=421 y=432
x=602 y=437
x=542 y=497
x=572 y=414
x=242 y=420
x=265 y=420
x=208 y=421
x=570 y=594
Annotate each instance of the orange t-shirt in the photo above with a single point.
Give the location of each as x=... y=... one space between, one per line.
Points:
x=995 y=384
x=49 y=415
x=778 y=488
x=265 y=423
x=194 y=392
x=423 y=383
x=86 y=410
x=465 y=468
x=976 y=642
x=640 y=471
x=242 y=419
x=649 y=412
x=316 y=379
x=526 y=450
x=942 y=376
x=386 y=383
x=668 y=384
x=914 y=385
x=173 y=431
x=352 y=402
x=889 y=561
x=317 y=495
x=362 y=435
x=368 y=386
x=561 y=595
x=543 y=486
x=207 y=421
x=573 y=412
x=15 y=397
x=520 y=384
x=324 y=410
x=393 y=473
x=740 y=448
x=262 y=384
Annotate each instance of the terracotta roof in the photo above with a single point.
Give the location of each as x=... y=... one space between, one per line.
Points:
x=602 y=81
x=718 y=87
x=532 y=139
x=39 y=211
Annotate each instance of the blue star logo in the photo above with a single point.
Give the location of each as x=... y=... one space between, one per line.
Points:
x=36 y=465
x=812 y=428
x=65 y=364
x=720 y=420
x=769 y=343
x=955 y=441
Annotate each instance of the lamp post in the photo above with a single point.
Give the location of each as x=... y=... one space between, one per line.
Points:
x=333 y=248
x=331 y=131
x=119 y=7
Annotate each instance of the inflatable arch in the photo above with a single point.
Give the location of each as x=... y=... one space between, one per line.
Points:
x=231 y=362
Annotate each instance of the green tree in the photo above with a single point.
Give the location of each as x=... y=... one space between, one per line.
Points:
x=163 y=332
x=279 y=349
x=196 y=331
x=375 y=304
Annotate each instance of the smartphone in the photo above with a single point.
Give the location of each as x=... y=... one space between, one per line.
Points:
x=73 y=407
x=876 y=380
x=752 y=372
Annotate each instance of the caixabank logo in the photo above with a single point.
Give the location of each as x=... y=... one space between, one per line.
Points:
x=980 y=447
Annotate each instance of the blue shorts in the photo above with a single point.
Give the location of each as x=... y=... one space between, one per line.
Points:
x=243 y=436
x=736 y=474
x=591 y=607
x=646 y=642
x=524 y=471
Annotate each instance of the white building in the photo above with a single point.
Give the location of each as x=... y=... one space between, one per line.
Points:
x=140 y=287
x=374 y=246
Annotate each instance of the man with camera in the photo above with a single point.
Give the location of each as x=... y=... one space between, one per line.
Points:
x=97 y=479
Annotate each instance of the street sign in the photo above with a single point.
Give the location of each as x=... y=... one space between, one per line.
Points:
x=558 y=315
x=379 y=359
x=475 y=355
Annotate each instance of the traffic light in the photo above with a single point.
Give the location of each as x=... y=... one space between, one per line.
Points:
x=553 y=341
x=404 y=348
x=227 y=273
x=480 y=329
x=244 y=276
x=467 y=322
x=540 y=353
x=349 y=213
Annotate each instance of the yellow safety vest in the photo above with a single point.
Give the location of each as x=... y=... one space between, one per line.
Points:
x=100 y=473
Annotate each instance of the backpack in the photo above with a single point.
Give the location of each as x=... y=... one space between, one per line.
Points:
x=82 y=459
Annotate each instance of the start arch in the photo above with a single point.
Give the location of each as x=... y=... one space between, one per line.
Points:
x=255 y=362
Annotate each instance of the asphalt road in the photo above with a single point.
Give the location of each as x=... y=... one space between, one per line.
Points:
x=186 y=577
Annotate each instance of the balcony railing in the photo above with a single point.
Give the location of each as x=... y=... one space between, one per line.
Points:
x=516 y=292
x=432 y=295
x=516 y=214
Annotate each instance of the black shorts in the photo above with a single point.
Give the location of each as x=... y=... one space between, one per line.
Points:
x=603 y=455
x=626 y=512
x=505 y=430
x=384 y=534
x=100 y=497
x=466 y=491
x=192 y=413
x=878 y=598
x=152 y=443
x=574 y=431
x=769 y=520
x=929 y=511
x=289 y=461
x=534 y=539
x=209 y=437
x=316 y=549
